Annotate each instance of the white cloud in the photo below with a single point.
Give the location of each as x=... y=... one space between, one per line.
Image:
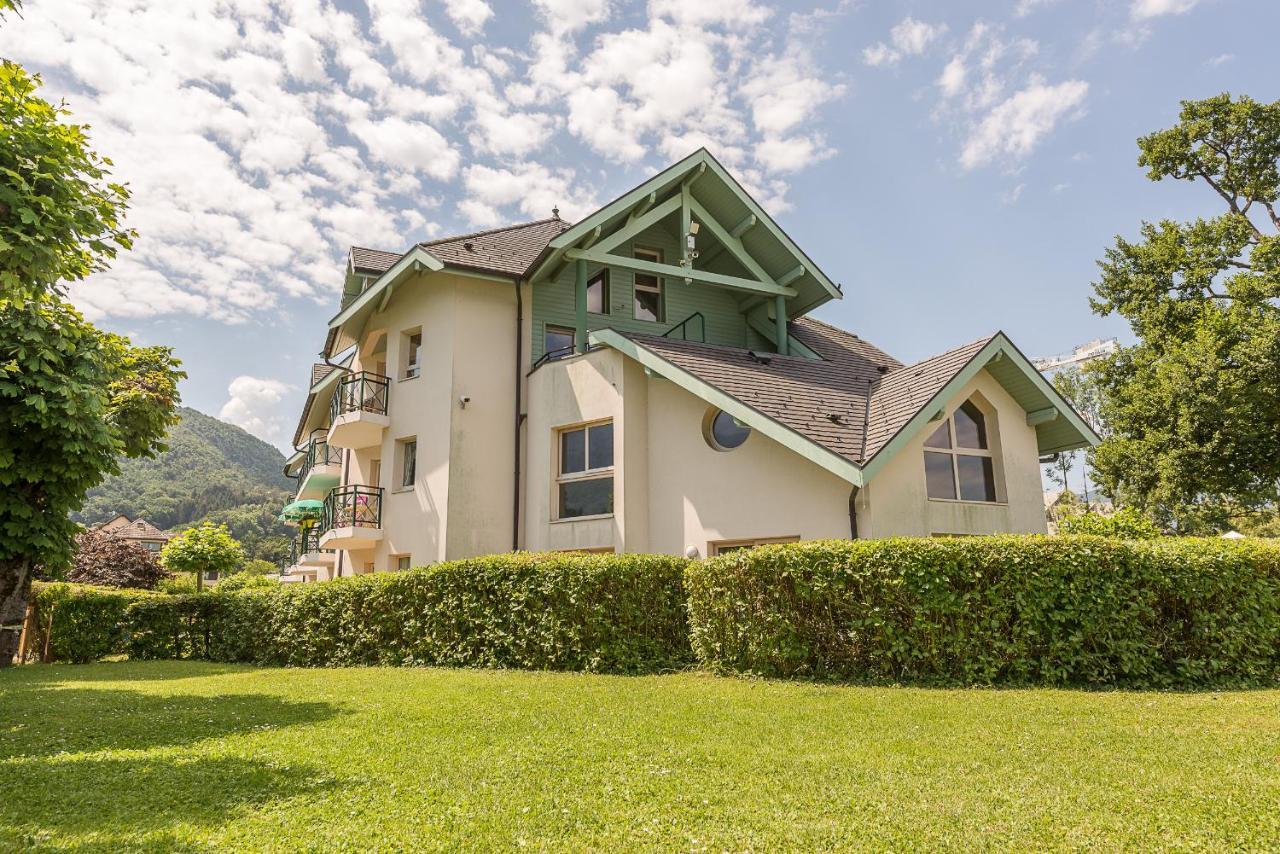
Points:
x=1014 y=127
x=1011 y=196
x=254 y=404
x=1220 y=59
x=570 y=15
x=1142 y=10
x=260 y=140
x=469 y=15
x=908 y=37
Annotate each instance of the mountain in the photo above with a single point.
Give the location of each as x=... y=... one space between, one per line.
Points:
x=212 y=471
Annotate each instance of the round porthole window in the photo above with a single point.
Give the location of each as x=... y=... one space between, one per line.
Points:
x=724 y=432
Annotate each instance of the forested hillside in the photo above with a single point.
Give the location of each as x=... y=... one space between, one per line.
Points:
x=212 y=471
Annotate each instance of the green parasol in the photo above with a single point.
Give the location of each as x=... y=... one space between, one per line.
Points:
x=298 y=511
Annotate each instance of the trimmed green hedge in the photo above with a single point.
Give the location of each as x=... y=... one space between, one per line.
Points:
x=1081 y=611
x=87 y=622
x=619 y=614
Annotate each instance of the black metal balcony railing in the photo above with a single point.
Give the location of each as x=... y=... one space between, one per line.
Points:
x=352 y=507
x=361 y=392
x=682 y=328
x=318 y=454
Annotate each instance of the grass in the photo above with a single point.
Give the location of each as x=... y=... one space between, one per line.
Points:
x=166 y=755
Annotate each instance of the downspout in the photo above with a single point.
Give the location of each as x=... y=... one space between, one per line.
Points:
x=519 y=375
x=853 y=513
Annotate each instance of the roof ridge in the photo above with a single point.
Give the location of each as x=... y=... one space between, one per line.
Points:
x=984 y=340
x=456 y=237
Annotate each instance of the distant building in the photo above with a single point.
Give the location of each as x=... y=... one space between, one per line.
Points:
x=1086 y=352
x=138 y=531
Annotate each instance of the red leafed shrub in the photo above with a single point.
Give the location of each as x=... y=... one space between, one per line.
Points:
x=113 y=562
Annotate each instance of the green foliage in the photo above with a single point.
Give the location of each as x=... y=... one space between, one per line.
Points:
x=620 y=614
x=59 y=215
x=1127 y=523
x=246 y=580
x=257 y=566
x=1084 y=611
x=72 y=400
x=205 y=548
x=1194 y=407
x=178 y=583
x=83 y=623
x=211 y=471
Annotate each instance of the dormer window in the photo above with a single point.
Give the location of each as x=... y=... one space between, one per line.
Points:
x=958 y=462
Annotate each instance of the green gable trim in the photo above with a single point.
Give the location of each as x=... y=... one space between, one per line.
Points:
x=838 y=465
x=639 y=202
x=1025 y=384
x=415 y=260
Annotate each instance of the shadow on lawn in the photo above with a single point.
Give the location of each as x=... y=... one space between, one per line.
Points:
x=52 y=795
x=45 y=720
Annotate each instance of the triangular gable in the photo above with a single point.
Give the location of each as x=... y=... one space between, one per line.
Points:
x=698 y=188
x=1058 y=426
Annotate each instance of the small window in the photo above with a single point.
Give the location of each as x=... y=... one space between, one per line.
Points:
x=598 y=293
x=408 y=463
x=726 y=546
x=558 y=342
x=724 y=432
x=412 y=353
x=401 y=562
x=585 y=481
x=648 y=289
x=958 y=463
x=375 y=472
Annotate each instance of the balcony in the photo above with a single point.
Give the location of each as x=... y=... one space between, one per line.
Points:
x=352 y=518
x=321 y=470
x=358 y=412
x=306 y=550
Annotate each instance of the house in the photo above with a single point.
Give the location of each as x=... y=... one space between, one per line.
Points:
x=138 y=531
x=649 y=379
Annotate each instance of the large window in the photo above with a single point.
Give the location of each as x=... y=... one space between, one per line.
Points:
x=648 y=289
x=558 y=342
x=585 y=479
x=958 y=462
x=598 y=293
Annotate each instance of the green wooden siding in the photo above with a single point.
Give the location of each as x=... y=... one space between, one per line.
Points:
x=553 y=300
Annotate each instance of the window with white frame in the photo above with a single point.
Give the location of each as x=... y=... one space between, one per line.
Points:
x=401 y=562
x=411 y=341
x=958 y=462
x=584 y=481
x=407 y=462
x=648 y=288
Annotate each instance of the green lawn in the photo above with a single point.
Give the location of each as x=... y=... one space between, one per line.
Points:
x=180 y=755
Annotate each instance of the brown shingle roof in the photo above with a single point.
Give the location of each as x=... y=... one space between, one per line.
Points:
x=902 y=393
x=139 y=529
x=831 y=401
x=508 y=250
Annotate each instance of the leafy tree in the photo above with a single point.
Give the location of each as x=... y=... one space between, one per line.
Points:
x=1194 y=407
x=114 y=562
x=72 y=398
x=257 y=566
x=205 y=548
x=1126 y=524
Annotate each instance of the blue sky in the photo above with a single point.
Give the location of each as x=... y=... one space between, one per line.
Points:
x=959 y=167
